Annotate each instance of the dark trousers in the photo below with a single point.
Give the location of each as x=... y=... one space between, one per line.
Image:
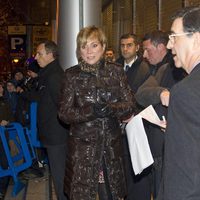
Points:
x=104 y=192
x=57 y=160
x=157 y=175
x=139 y=186
x=4 y=165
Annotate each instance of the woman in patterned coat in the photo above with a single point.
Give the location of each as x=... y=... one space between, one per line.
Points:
x=95 y=99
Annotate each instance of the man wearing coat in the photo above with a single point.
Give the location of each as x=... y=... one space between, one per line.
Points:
x=156 y=91
x=137 y=71
x=51 y=132
x=181 y=175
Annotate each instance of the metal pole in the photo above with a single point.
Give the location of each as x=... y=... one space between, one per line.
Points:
x=71 y=17
x=134 y=16
x=159 y=14
x=184 y=3
x=81 y=22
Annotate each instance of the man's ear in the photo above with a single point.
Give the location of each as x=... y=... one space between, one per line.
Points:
x=49 y=53
x=104 y=47
x=137 y=47
x=196 y=41
x=161 y=46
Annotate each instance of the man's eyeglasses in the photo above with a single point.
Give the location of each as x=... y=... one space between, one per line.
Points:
x=172 y=36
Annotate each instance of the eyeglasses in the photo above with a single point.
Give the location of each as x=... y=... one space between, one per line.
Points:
x=174 y=35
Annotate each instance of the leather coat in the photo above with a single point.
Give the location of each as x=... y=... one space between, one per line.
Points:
x=94 y=139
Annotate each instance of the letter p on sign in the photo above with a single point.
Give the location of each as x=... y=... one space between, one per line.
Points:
x=15 y=42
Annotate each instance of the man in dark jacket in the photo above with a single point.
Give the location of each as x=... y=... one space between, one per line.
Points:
x=137 y=71
x=51 y=132
x=181 y=174
x=156 y=91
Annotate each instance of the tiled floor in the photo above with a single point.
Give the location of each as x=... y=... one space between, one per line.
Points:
x=35 y=189
x=38 y=189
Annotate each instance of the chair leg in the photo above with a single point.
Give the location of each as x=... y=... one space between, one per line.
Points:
x=18 y=186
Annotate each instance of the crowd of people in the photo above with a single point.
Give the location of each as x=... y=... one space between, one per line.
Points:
x=82 y=112
x=16 y=96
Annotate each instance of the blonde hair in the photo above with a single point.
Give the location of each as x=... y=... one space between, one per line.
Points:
x=89 y=32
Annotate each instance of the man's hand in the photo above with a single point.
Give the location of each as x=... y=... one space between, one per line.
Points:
x=4 y=123
x=164 y=97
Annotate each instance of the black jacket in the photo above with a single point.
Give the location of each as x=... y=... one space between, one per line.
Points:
x=51 y=131
x=137 y=73
x=181 y=174
x=5 y=110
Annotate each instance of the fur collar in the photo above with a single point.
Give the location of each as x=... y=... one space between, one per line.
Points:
x=90 y=68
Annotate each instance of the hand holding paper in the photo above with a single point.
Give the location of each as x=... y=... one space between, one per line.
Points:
x=150 y=115
x=140 y=152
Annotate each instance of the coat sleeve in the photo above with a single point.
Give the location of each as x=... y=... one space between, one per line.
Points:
x=54 y=85
x=149 y=92
x=126 y=106
x=68 y=112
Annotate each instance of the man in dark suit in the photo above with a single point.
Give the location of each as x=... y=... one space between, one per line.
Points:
x=51 y=132
x=137 y=71
x=181 y=176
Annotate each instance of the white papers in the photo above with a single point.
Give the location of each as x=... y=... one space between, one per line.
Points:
x=140 y=152
x=141 y=156
x=150 y=115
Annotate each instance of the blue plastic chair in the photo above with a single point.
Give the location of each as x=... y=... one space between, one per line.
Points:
x=18 y=135
x=25 y=139
x=32 y=130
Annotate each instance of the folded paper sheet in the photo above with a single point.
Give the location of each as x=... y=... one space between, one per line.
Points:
x=140 y=152
x=150 y=115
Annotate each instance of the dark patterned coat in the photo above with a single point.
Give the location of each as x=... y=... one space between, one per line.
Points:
x=94 y=139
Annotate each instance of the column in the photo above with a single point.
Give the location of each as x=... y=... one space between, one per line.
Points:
x=72 y=15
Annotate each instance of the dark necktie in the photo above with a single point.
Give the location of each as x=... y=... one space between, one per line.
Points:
x=126 y=68
x=154 y=70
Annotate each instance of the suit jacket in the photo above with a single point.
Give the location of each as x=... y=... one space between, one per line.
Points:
x=137 y=73
x=182 y=143
x=51 y=131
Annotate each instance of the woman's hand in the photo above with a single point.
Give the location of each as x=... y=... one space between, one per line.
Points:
x=127 y=120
